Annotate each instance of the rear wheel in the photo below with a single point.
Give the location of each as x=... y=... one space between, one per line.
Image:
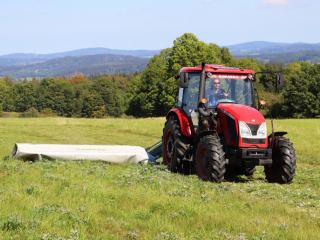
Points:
x=174 y=147
x=283 y=165
x=210 y=159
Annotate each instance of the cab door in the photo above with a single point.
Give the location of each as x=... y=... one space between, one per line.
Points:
x=191 y=94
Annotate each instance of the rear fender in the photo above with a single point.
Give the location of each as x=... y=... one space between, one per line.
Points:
x=183 y=119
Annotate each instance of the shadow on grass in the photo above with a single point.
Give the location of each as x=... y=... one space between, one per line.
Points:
x=229 y=176
x=237 y=178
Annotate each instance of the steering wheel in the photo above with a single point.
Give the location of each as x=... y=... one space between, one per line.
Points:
x=225 y=100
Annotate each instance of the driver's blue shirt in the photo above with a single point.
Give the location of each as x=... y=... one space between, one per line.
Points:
x=215 y=97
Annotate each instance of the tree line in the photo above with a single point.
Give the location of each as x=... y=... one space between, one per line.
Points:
x=153 y=92
x=77 y=96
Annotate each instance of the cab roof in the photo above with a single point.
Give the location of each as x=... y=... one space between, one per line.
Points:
x=218 y=69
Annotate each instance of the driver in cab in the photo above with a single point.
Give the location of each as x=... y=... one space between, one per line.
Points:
x=216 y=92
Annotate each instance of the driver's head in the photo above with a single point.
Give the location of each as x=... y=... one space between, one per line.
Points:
x=216 y=83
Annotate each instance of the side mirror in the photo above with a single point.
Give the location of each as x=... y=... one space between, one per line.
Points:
x=184 y=80
x=279 y=81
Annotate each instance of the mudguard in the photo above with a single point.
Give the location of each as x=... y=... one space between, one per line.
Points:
x=183 y=121
x=275 y=134
x=278 y=134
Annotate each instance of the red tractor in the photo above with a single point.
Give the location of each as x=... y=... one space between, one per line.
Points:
x=216 y=128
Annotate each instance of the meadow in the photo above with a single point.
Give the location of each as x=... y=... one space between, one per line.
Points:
x=93 y=200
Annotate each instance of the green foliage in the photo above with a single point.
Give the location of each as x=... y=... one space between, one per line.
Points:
x=302 y=93
x=112 y=89
x=48 y=112
x=56 y=94
x=74 y=96
x=30 y=113
x=248 y=63
x=156 y=90
x=152 y=85
x=6 y=94
x=188 y=50
x=92 y=105
x=25 y=95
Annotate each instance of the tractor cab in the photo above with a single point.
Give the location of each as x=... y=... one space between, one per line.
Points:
x=216 y=125
x=222 y=85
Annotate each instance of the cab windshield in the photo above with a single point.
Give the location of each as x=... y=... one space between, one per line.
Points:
x=229 y=90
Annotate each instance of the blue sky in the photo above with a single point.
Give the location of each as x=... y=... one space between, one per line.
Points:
x=44 y=26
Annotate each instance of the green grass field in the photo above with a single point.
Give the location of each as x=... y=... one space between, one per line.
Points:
x=93 y=200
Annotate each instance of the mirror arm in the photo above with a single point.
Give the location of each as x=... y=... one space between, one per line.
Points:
x=278 y=78
x=258 y=98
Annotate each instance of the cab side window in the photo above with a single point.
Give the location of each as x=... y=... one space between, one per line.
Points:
x=190 y=97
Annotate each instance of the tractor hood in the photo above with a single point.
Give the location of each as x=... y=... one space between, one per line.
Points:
x=242 y=113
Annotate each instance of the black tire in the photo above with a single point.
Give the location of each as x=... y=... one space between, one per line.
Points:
x=210 y=162
x=174 y=147
x=283 y=167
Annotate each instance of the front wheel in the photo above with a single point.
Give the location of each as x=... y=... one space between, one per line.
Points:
x=283 y=166
x=210 y=159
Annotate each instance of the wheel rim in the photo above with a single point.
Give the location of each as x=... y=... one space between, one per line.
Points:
x=168 y=144
x=201 y=163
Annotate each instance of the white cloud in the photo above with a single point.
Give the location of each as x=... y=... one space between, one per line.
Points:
x=276 y=2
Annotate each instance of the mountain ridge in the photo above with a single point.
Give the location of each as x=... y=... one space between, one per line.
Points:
x=88 y=65
x=16 y=59
x=264 y=47
x=112 y=61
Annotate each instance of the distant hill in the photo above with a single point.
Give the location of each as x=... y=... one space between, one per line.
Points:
x=277 y=52
x=93 y=61
x=88 y=65
x=18 y=59
x=309 y=56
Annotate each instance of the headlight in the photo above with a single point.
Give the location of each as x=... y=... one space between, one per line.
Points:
x=244 y=130
x=262 y=131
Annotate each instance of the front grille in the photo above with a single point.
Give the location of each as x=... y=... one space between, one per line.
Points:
x=253 y=141
x=254 y=128
x=256 y=153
